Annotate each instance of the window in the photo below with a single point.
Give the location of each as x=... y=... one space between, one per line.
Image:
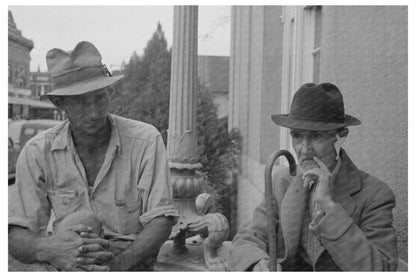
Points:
x=33 y=89
x=21 y=76
x=10 y=74
x=288 y=66
x=302 y=32
x=47 y=89
x=316 y=52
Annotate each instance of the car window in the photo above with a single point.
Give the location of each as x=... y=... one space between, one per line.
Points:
x=23 y=130
x=29 y=131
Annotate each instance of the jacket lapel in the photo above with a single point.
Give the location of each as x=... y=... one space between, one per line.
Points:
x=291 y=216
x=347 y=182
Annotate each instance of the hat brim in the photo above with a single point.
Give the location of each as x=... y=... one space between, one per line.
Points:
x=83 y=87
x=287 y=121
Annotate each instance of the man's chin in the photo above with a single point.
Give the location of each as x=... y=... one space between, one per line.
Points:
x=90 y=131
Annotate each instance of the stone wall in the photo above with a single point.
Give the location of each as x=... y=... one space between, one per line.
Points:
x=364 y=52
x=255 y=74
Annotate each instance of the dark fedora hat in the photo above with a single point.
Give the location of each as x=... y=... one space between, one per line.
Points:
x=78 y=71
x=316 y=108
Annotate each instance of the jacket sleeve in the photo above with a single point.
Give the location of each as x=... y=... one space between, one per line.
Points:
x=369 y=246
x=250 y=244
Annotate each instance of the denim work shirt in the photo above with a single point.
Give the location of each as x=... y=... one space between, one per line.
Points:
x=131 y=188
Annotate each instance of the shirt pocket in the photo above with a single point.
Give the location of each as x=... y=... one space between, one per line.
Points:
x=129 y=206
x=66 y=202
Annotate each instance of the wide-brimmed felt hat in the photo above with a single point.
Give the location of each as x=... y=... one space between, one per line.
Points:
x=78 y=71
x=316 y=108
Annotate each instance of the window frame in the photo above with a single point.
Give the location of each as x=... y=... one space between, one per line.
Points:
x=299 y=54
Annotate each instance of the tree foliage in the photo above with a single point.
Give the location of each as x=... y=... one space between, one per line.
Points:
x=145 y=91
x=219 y=152
x=144 y=96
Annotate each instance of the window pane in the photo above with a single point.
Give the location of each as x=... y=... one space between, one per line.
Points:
x=316 y=64
x=318 y=26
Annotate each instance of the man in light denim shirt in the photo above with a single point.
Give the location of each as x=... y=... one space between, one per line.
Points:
x=104 y=177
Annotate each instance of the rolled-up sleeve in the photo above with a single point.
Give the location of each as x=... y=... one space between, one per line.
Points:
x=154 y=184
x=28 y=203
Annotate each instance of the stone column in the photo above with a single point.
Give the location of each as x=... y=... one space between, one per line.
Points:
x=182 y=113
x=182 y=145
x=187 y=183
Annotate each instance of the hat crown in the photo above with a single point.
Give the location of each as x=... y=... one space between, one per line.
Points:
x=78 y=71
x=84 y=55
x=321 y=102
x=317 y=108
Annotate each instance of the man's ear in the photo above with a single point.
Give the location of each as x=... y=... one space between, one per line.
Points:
x=58 y=102
x=343 y=132
x=110 y=91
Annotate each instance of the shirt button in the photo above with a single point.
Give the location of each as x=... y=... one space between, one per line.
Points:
x=92 y=198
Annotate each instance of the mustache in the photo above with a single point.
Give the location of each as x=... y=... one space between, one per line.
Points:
x=93 y=121
x=308 y=158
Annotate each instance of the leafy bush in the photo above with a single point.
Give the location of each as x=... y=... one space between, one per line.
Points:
x=144 y=96
x=219 y=152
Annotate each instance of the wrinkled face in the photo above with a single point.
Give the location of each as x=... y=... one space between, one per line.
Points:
x=87 y=113
x=308 y=144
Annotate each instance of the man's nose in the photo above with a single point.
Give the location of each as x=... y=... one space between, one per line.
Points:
x=93 y=109
x=307 y=148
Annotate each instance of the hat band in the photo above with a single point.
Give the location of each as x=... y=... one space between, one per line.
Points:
x=78 y=75
x=326 y=120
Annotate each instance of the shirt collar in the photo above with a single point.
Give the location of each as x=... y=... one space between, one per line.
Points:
x=63 y=139
x=115 y=135
x=337 y=167
x=348 y=176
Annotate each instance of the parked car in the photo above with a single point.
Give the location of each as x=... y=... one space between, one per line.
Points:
x=20 y=131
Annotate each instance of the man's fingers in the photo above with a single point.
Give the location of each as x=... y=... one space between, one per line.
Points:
x=80 y=228
x=90 y=248
x=313 y=171
x=305 y=182
x=262 y=265
x=102 y=242
x=94 y=267
x=265 y=264
x=86 y=260
x=100 y=255
x=320 y=163
x=89 y=235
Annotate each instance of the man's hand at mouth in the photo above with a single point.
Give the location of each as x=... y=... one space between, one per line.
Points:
x=321 y=180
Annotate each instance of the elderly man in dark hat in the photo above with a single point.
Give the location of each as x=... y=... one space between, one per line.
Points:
x=105 y=179
x=332 y=216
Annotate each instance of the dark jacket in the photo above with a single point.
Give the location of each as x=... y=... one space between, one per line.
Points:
x=357 y=235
